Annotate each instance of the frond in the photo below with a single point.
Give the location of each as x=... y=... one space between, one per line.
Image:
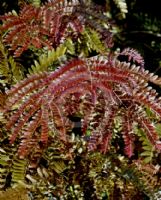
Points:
x=17 y=70
x=122 y=5
x=141 y=74
x=151 y=133
x=148 y=149
x=4 y=169
x=10 y=71
x=6 y=158
x=47 y=59
x=133 y=56
x=18 y=170
x=70 y=46
x=51 y=24
x=90 y=41
x=110 y=87
x=20 y=35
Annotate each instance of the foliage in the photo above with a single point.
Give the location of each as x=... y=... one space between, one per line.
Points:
x=121 y=4
x=47 y=59
x=10 y=71
x=49 y=25
x=17 y=193
x=148 y=151
x=78 y=120
x=107 y=84
x=62 y=172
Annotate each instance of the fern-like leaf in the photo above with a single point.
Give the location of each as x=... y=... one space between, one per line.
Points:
x=109 y=85
x=4 y=167
x=18 y=170
x=10 y=71
x=46 y=60
x=133 y=56
x=122 y=5
x=50 y=24
x=148 y=149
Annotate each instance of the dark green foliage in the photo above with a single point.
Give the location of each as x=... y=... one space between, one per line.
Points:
x=10 y=71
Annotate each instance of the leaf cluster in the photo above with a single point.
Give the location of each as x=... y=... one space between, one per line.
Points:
x=85 y=122
x=50 y=24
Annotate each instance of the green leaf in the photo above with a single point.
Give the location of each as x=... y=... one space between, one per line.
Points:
x=147 y=159
x=158 y=129
x=47 y=59
x=147 y=153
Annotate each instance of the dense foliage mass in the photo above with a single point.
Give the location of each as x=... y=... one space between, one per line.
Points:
x=79 y=119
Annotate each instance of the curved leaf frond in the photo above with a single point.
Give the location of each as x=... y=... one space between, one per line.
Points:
x=111 y=87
